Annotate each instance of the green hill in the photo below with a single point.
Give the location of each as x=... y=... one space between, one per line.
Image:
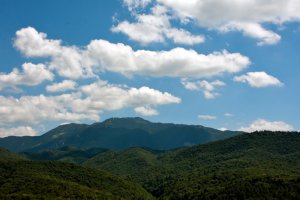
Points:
x=261 y=165
x=117 y=133
x=21 y=179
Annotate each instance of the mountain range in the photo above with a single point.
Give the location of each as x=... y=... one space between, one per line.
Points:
x=260 y=165
x=78 y=161
x=118 y=133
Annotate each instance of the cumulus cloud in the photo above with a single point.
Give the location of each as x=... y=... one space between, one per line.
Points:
x=263 y=125
x=101 y=55
x=177 y=62
x=18 y=131
x=62 y=86
x=156 y=27
x=258 y=79
x=208 y=88
x=246 y=16
x=207 y=117
x=68 y=61
x=31 y=74
x=32 y=43
x=87 y=103
x=146 y=111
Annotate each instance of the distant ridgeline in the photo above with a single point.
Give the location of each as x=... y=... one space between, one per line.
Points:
x=260 y=165
x=118 y=133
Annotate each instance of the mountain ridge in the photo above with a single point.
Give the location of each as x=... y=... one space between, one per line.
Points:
x=118 y=133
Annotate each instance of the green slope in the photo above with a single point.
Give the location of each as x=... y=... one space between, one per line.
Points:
x=259 y=165
x=21 y=179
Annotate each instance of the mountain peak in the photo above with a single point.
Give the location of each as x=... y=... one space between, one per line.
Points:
x=117 y=119
x=124 y=122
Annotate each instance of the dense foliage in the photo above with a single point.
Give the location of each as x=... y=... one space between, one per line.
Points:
x=21 y=179
x=259 y=165
x=68 y=153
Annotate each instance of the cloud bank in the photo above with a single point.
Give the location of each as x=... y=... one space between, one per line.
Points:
x=87 y=103
x=101 y=55
x=18 y=131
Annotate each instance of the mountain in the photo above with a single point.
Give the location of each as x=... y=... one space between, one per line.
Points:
x=117 y=133
x=261 y=165
x=24 y=179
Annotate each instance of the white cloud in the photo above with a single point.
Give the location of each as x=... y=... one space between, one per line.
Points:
x=86 y=103
x=34 y=109
x=101 y=55
x=104 y=96
x=32 y=43
x=31 y=74
x=62 y=86
x=207 y=117
x=68 y=61
x=146 y=111
x=223 y=129
x=262 y=125
x=181 y=36
x=258 y=79
x=18 y=131
x=208 y=88
x=253 y=30
x=141 y=32
x=177 y=62
x=247 y=16
x=134 y=4
x=156 y=27
x=228 y=115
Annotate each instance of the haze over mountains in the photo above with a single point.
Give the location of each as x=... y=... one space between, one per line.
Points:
x=118 y=133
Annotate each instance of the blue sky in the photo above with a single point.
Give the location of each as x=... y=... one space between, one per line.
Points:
x=225 y=66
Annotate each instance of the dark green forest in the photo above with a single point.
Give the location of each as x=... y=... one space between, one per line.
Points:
x=260 y=165
x=26 y=179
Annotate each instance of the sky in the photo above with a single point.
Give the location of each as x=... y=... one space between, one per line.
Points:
x=219 y=63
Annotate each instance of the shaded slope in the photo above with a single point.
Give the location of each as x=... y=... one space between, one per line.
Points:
x=68 y=153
